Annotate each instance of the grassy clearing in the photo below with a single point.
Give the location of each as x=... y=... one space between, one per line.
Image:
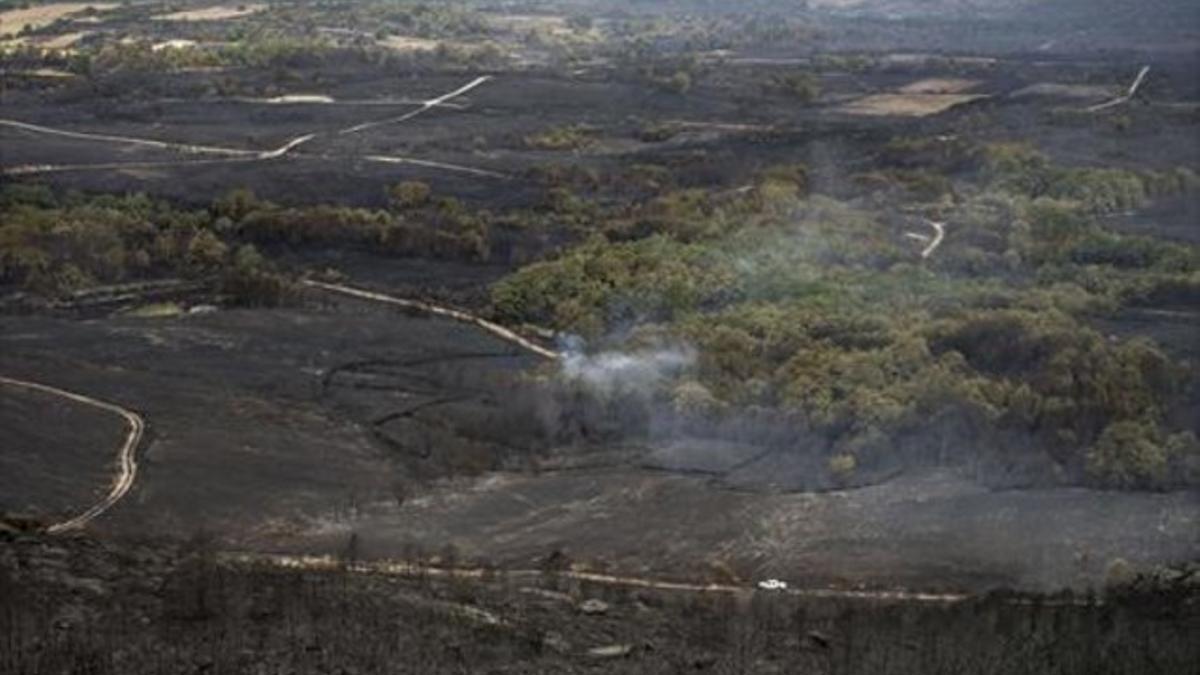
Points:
x=157 y=310
x=907 y=104
x=939 y=85
x=15 y=21
x=409 y=43
x=215 y=13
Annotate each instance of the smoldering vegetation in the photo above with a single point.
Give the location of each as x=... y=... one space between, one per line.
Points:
x=75 y=605
x=818 y=325
x=760 y=448
x=609 y=373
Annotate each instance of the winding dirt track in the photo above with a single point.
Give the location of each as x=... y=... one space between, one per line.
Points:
x=391 y=159
x=1128 y=96
x=229 y=155
x=272 y=154
x=437 y=310
x=403 y=569
x=130 y=140
x=226 y=154
x=118 y=166
x=931 y=243
x=126 y=455
x=425 y=105
x=316 y=99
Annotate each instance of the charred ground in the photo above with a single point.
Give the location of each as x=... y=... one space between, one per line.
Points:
x=728 y=208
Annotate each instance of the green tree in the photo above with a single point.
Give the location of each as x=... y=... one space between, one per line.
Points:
x=409 y=194
x=1130 y=453
x=236 y=204
x=205 y=251
x=680 y=82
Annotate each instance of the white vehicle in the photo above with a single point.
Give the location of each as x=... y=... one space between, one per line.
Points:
x=773 y=585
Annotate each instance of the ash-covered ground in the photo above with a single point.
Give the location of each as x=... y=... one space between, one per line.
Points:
x=300 y=430
x=317 y=424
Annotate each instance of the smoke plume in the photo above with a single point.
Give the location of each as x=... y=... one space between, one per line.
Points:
x=636 y=371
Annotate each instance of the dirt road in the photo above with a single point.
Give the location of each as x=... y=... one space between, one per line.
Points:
x=394 y=568
x=426 y=105
x=437 y=310
x=1128 y=96
x=391 y=159
x=126 y=455
x=130 y=140
x=240 y=154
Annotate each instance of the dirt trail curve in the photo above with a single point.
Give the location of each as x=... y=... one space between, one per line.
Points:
x=437 y=310
x=1128 y=96
x=404 y=569
x=931 y=243
x=28 y=169
x=130 y=140
x=425 y=105
x=391 y=159
x=163 y=145
x=230 y=155
x=126 y=455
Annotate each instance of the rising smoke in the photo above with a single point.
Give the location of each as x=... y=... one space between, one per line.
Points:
x=636 y=371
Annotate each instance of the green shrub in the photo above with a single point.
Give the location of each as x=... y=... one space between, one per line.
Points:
x=570 y=137
x=205 y=252
x=842 y=465
x=803 y=87
x=1130 y=453
x=409 y=194
x=252 y=281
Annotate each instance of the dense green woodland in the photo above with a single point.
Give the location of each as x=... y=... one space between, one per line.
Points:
x=814 y=310
x=821 y=309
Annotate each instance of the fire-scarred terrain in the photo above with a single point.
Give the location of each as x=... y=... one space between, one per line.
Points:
x=652 y=336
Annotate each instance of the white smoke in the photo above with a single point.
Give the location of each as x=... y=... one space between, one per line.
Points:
x=635 y=371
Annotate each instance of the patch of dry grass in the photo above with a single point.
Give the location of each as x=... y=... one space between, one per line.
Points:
x=529 y=22
x=173 y=44
x=214 y=13
x=408 y=43
x=1061 y=90
x=14 y=21
x=64 y=41
x=54 y=73
x=906 y=105
x=939 y=85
